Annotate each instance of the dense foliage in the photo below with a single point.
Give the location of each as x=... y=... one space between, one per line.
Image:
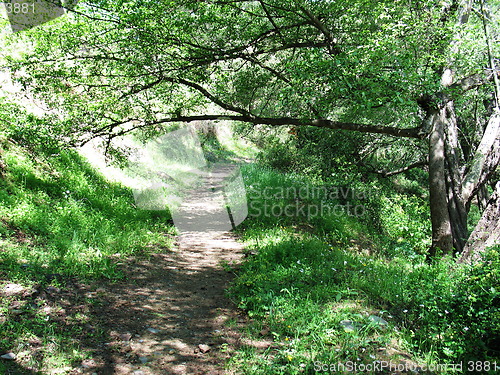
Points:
x=382 y=67
x=116 y=62
x=304 y=285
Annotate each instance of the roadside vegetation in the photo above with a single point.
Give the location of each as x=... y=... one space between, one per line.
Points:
x=346 y=285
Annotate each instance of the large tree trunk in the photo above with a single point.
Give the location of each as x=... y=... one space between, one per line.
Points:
x=456 y=205
x=485 y=158
x=450 y=191
x=487 y=231
x=483 y=165
x=442 y=238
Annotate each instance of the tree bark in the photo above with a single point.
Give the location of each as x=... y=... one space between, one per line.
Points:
x=456 y=204
x=442 y=239
x=487 y=231
x=472 y=181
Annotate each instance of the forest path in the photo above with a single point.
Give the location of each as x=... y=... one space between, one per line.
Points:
x=169 y=314
x=172 y=310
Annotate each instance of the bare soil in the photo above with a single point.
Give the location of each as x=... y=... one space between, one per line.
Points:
x=170 y=314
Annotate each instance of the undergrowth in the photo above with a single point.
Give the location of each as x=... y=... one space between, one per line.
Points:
x=61 y=224
x=329 y=289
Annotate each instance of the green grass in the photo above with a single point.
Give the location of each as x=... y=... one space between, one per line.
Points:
x=58 y=214
x=223 y=145
x=315 y=284
x=306 y=277
x=62 y=221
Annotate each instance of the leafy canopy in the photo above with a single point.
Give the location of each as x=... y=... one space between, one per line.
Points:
x=110 y=66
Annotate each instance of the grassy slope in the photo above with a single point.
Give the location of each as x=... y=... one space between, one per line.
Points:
x=61 y=221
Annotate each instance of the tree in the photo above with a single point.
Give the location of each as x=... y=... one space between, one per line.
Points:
x=419 y=71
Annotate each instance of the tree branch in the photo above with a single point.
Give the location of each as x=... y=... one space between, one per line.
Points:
x=472 y=81
x=365 y=128
x=472 y=179
x=417 y=164
x=270 y=18
x=210 y=96
x=282 y=77
x=256 y=120
x=247 y=116
x=142 y=88
x=332 y=46
x=486 y=29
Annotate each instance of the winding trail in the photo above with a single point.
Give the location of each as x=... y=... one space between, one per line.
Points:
x=170 y=314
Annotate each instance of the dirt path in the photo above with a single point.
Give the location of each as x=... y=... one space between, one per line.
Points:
x=170 y=314
x=170 y=310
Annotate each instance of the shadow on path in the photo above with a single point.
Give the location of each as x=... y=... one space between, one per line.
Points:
x=169 y=310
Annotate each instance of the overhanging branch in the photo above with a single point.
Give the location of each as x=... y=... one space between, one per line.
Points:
x=257 y=120
x=246 y=116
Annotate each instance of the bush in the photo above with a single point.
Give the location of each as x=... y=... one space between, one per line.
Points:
x=444 y=312
x=477 y=309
